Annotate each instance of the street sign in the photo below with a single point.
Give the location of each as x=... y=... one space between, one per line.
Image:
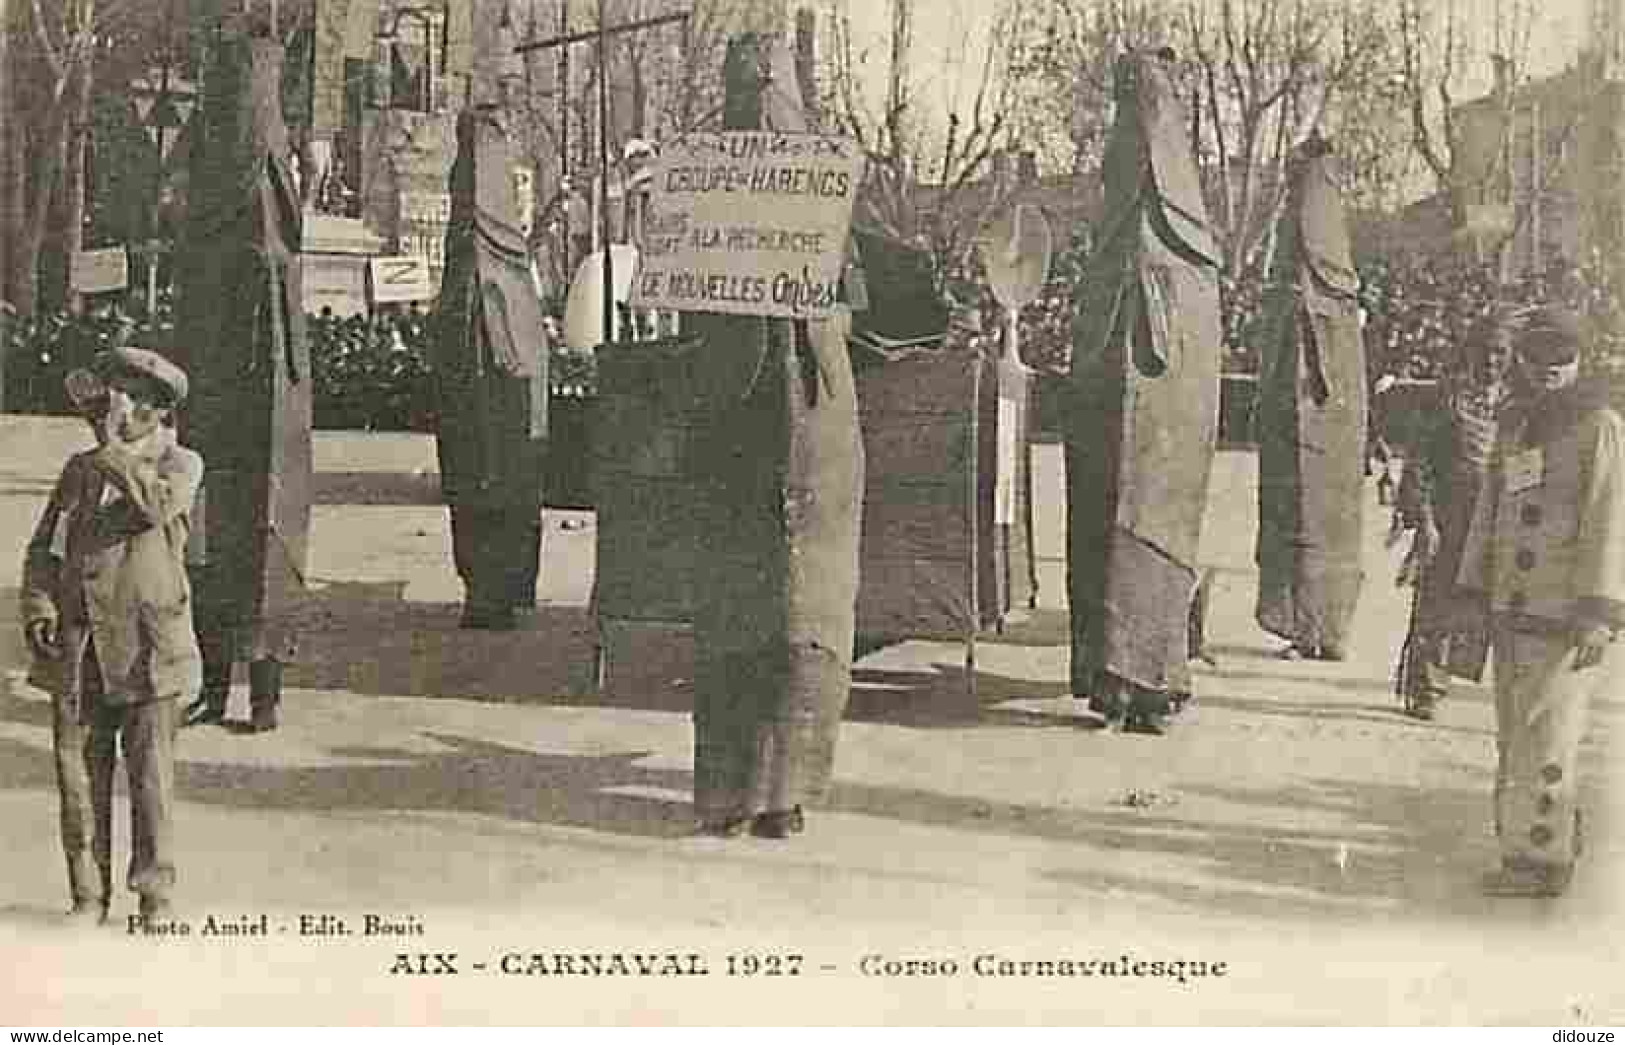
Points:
x=751 y=223
x=424 y=217
x=100 y=271
x=404 y=277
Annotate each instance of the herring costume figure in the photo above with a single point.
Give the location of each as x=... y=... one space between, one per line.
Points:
x=1143 y=410
x=1312 y=425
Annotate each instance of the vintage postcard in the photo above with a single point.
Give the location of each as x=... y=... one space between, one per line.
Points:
x=517 y=512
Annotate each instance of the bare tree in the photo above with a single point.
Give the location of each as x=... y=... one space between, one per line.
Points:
x=7 y=121
x=1264 y=73
x=58 y=51
x=664 y=80
x=1257 y=76
x=1064 y=62
x=51 y=81
x=927 y=183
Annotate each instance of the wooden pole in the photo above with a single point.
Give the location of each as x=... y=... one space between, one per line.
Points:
x=1603 y=195
x=603 y=172
x=7 y=231
x=565 y=37
x=564 y=138
x=973 y=523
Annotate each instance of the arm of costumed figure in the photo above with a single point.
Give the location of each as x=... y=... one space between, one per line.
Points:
x=1599 y=565
x=1328 y=283
x=1168 y=198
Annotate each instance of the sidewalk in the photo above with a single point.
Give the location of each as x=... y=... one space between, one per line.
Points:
x=1294 y=824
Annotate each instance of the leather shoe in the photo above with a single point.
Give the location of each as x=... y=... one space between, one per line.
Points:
x=1421 y=705
x=204 y=712
x=1111 y=704
x=262 y=720
x=779 y=823
x=1149 y=711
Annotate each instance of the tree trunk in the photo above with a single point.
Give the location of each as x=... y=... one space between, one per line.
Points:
x=73 y=196
x=1603 y=206
x=49 y=157
x=13 y=166
x=46 y=160
x=8 y=184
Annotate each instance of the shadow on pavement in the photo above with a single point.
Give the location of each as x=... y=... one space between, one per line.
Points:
x=940 y=698
x=1335 y=711
x=1327 y=680
x=364 y=638
x=469 y=776
x=24 y=916
x=1406 y=849
x=1412 y=849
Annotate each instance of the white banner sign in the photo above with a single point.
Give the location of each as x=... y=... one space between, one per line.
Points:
x=334 y=283
x=750 y=223
x=403 y=278
x=426 y=208
x=100 y=271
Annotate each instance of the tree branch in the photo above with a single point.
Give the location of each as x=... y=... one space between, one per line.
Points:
x=48 y=50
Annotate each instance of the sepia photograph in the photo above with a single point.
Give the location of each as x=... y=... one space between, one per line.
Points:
x=651 y=513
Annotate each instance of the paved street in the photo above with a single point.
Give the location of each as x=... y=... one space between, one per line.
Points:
x=1295 y=825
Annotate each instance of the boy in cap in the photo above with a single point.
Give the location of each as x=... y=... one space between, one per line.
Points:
x=107 y=614
x=1547 y=549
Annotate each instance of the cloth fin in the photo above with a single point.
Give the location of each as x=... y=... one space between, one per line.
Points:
x=1154 y=340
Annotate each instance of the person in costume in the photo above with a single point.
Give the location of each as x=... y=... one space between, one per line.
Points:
x=1312 y=423
x=1143 y=413
x=1438 y=493
x=1546 y=548
x=241 y=334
